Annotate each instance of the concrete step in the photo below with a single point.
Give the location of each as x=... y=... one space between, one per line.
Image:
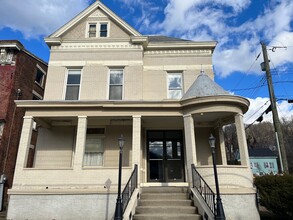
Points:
x=160 y=203
x=166 y=210
x=164 y=189
x=162 y=196
x=167 y=216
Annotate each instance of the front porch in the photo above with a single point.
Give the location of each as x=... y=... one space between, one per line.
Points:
x=76 y=152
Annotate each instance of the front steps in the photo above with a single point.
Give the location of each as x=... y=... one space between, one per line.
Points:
x=165 y=203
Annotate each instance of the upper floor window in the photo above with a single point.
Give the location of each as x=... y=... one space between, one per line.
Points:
x=73 y=84
x=2 y=123
x=116 y=84
x=174 y=85
x=104 y=30
x=92 y=30
x=40 y=76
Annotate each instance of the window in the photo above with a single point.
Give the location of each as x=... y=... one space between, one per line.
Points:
x=92 y=30
x=40 y=76
x=2 y=123
x=97 y=29
x=174 y=85
x=116 y=84
x=36 y=96
x=94 y=147
x=272 y=165
x=266 y=164
x=73 y=84
x=103 y=30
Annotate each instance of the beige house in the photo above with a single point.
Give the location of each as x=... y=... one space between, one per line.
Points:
x=106 y=79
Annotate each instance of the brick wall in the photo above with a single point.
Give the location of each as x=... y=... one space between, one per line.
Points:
x=13 y=77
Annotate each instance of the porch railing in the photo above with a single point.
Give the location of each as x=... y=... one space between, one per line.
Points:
x=203 y=188
x=129 y=188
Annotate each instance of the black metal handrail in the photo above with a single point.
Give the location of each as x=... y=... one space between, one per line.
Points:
x=204 y=190
x=129 y=188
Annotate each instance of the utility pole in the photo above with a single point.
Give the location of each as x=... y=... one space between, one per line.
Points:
x=277 y=124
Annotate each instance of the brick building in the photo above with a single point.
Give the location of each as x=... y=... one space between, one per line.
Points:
x=22 y=77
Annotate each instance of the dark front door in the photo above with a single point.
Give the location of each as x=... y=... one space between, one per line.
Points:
x=165 y=156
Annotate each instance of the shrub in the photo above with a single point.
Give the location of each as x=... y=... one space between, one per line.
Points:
x=276 y=193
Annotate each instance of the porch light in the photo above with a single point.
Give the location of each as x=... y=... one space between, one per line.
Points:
x=119 y=205
x=220 y=215
x=212 y=141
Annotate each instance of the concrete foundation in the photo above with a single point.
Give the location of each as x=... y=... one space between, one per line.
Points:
x=240 y=207
x=62 y=207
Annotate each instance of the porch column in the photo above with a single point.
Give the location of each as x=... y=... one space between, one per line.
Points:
x=24 y=143
x=136 y=144
x=244 y=158
x=222 y=145
x=80 y=142
x=189 y=145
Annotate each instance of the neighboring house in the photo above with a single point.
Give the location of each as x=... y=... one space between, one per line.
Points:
x=22 y=77
x=106 y=79
x=263 y=161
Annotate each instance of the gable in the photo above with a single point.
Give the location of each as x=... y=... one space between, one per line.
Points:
x=98 y=17
x=97 y=13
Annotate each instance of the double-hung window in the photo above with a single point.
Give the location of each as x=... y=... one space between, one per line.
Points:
x=92 y=30
x=94 y=147
x=116 y=84
x=73 y=84
x=174 y=84
x=97 y=29
x=104 y=30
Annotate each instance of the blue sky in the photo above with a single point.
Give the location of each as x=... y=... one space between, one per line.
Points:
x=237 y=25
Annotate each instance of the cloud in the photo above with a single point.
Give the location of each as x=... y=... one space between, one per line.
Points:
x=239 y=41
x=38 y=18
x=259 y=105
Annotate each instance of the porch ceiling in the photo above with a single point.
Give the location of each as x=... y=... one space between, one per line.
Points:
x=208 y=117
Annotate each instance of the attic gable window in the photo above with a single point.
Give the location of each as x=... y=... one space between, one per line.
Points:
x=104 y=30
x=92 y=30
x=97 y=29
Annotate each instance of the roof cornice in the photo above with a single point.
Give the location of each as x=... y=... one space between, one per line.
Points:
x=179 y=45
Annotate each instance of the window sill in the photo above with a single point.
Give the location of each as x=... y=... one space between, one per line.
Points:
x=39 y=85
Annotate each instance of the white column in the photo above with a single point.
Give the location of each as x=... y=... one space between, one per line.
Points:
x=244 y=158
x=24 y=143
x=189 y=145
x=80 y=142
x=136 y=144
x=222 y=145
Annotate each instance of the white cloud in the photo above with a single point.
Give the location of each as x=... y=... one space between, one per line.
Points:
x=259 y=105
x=38 y=18
x=238 y=45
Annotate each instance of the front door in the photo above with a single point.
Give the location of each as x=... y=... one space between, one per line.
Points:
x=165 y=156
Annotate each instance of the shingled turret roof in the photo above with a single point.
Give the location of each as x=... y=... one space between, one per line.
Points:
x=204 y=86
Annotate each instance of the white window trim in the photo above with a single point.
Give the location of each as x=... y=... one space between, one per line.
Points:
x=98 y=27
x=167 y=83
x=108 y=83
x=43 y=79
x=102 y=136
x=66 y=79
x=37 y=94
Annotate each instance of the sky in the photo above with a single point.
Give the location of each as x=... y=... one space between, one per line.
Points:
x=237 y=25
